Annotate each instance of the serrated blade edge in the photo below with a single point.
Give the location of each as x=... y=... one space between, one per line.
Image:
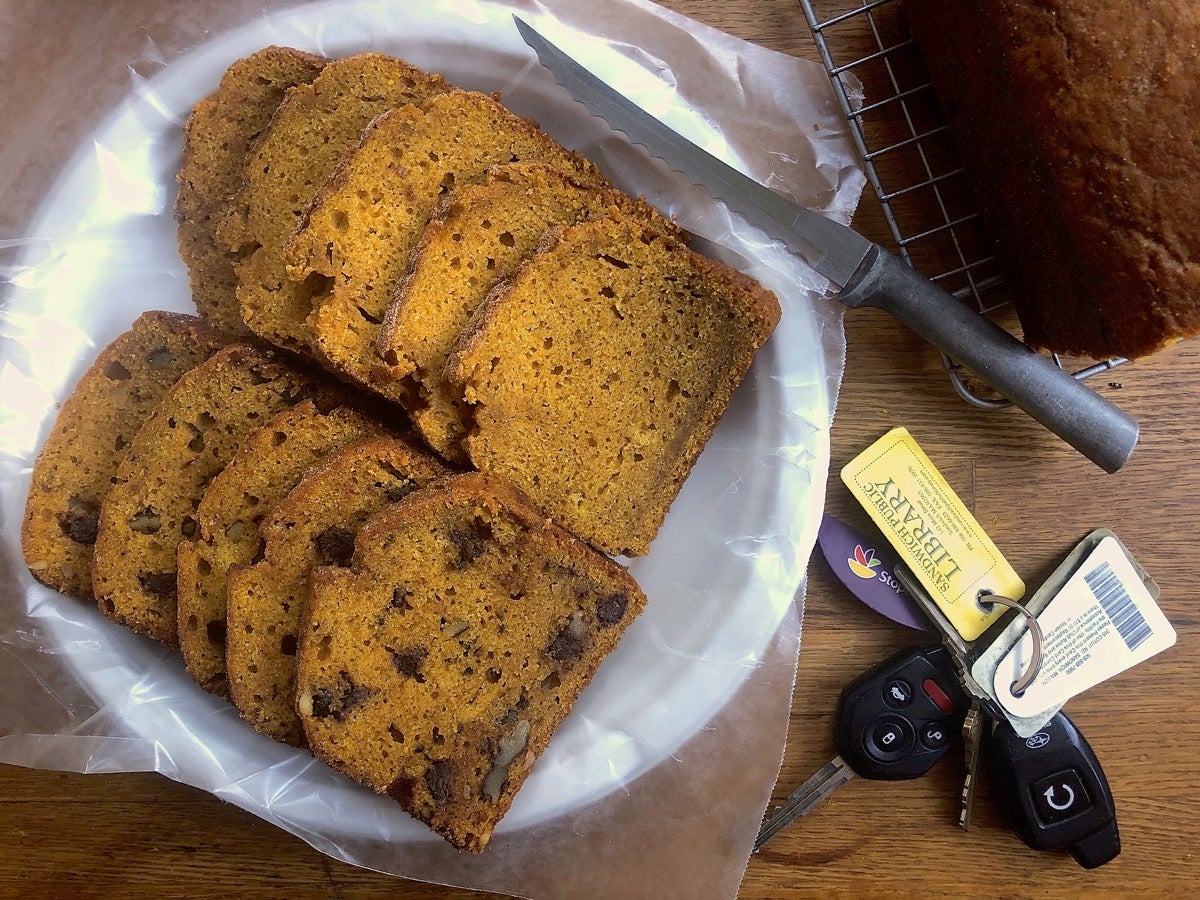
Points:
x=829 y=247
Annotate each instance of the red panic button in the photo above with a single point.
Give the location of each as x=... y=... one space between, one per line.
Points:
x=935 y=693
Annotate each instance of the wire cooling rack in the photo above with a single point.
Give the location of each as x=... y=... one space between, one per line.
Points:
x=926 y=200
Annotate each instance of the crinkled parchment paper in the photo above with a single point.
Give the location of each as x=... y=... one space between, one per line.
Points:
x=657 y=781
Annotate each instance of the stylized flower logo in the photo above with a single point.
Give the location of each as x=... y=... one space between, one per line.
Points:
x=863 y=562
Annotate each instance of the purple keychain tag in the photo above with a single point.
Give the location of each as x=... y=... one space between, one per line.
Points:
x=866 y=568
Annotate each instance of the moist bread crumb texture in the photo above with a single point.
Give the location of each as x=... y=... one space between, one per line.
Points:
x=436 y=667
x=216 y=140
x=479 y=235
x=312 y=129
x=314 y=525
x=598 y=372
x=186 y=441
x=92 y=434
x=365 y=222
x=268 y=463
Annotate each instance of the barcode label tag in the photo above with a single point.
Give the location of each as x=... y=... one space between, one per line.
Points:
x=1101 y=622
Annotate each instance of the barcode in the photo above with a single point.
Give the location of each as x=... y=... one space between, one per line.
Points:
x=1118 y=605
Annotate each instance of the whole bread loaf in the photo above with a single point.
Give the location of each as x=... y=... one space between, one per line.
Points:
x=1078 y=123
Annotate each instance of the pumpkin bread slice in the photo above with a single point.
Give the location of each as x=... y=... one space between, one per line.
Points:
x=436 y=668
x=315 y=125
x=313 y=525
x=365 y=222
x=187 y=440
x=479 y=235
x=268 y=463
x=91 y=436
x=216 y=139
x=636 y=344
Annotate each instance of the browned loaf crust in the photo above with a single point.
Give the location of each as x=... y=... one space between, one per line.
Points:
x=188 y=438
x=91 y=435
x=268 y=463
x=438 y=666
x=598 y=372
x=477 y=238
x=1077 y=122
x=366 y=220
x=216 y=139
x=314 y=126
x=314 y=525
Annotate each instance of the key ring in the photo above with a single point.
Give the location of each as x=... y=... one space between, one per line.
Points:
x=1019 y=686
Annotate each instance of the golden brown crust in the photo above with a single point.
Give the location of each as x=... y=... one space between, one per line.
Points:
x=436 y=668
x=91 y=436
x=315 y=524
x=1084 y=161
x=598 y=371
x=188 y=438
x=216 y=139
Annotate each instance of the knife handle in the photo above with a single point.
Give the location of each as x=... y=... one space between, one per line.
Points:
x=1096 y=428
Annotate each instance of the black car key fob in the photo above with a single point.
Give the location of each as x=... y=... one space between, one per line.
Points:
x=1056 y=792
x=896 y=720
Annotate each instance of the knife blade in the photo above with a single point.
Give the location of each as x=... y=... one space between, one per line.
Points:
x=867 y=274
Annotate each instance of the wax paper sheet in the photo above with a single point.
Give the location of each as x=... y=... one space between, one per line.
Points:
x=655 y=784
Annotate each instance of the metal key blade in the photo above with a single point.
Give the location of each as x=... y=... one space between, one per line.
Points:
x=805 y=798
x=972 y=732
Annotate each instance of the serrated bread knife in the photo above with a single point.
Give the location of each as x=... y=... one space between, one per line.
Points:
x=868 y=275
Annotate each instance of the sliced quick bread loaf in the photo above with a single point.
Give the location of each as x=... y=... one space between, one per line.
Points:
x=216 y=139
x=479 y=235
x=91 y=436
x=436 y=668
x=597 y=374
x=268 y=464
x=312 y=129
x=189 y=437
x=366 y=221
x=314 y=525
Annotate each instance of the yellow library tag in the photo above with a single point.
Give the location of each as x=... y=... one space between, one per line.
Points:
x=934 y=533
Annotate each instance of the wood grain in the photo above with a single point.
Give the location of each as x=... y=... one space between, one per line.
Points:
x=142 y=835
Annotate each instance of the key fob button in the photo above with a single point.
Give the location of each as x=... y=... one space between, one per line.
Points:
x=935 y=735
x=889 y=739
x=940 y=698
x=1060 y=796
x=898 y=693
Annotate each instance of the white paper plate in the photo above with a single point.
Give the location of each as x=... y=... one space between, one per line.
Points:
x=719 y=578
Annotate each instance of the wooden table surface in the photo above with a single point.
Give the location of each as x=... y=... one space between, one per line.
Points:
x=142 y=835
